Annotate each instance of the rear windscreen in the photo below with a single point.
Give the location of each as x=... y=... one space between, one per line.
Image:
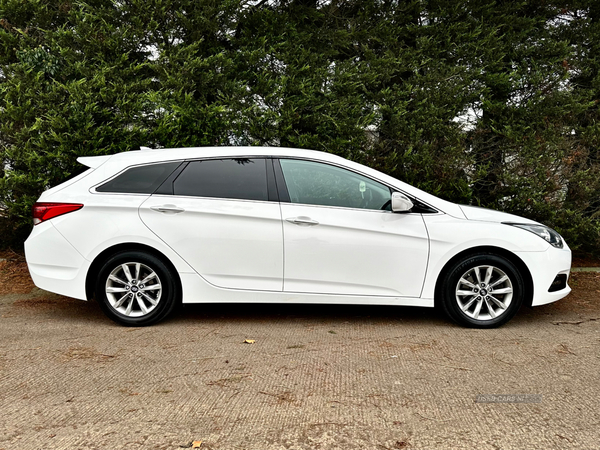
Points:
x=140 y=179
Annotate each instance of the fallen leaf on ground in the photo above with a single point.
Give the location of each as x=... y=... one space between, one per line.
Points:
x=196 y=444
x=249 y=341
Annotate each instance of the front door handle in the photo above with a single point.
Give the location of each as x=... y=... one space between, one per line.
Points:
x=167 y=209
x=302 y=220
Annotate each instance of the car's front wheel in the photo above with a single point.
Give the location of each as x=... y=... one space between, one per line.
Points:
x=482 y=291
x=136 y=288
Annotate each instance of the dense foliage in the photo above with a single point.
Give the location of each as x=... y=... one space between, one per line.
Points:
x=488 y=103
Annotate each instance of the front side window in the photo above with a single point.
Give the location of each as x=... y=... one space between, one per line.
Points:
x=239 y=178
x=314 y=183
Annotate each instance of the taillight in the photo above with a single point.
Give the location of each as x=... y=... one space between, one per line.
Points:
x=45 y=211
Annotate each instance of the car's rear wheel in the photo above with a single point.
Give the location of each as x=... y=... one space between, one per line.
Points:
x=136 y=288
x=482 y=291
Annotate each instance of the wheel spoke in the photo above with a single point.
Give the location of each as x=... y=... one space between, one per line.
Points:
x=488 y=275
x=150 y=299
x=463 y=280
x=115 y=279
x=490 y=309
x=477 y=309
x=465 y=293
x=121 y=300
x=468 y=304
x=477 y=275
x=112 y=290
x=148 y=278
x=127 y=272
x=506 y=290
x=137 y=271
x=129 y=306
x=500 y=280
x=152 y=287
x=142 y=306
x=497 y=302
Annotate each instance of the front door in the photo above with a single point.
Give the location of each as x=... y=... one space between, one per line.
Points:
x=340 y=236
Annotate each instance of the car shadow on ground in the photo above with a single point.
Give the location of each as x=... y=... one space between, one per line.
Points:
x=56 y=307
x=260 y=312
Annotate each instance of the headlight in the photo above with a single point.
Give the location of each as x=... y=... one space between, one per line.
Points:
x=547 y=234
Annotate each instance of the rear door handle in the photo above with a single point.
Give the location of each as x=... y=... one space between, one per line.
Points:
x=167 y=209
x=302 y=220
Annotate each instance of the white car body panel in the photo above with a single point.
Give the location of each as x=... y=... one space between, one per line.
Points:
x=374 y=246
x=109 y=220
x=351 y=256
x=543 y=267
x=450 y=237
x=489 y=215
x=54 y=264
x=196 y=290
x=234 y=244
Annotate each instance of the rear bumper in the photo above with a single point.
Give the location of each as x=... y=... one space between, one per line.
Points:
x=544 y=267
x=54 y=264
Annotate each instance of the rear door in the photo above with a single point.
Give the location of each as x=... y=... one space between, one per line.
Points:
x=222 y=216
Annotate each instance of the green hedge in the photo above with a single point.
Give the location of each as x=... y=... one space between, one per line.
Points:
x=493 y=104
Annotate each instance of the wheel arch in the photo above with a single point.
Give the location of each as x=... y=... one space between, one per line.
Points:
x=491 y=250
x=103 y=256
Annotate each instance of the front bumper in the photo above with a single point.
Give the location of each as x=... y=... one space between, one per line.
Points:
x=544 y=267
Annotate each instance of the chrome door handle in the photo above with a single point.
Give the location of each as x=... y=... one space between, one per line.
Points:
x=302 y=220
x=167 y=209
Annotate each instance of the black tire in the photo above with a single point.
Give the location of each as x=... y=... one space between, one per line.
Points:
x=462 y=306
x=145 y=304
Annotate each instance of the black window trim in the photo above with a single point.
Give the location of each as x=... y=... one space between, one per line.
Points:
x=272 y=191
x=166 y=188
x=284 y=195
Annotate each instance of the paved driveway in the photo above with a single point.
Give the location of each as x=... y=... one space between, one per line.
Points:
x=317 y=377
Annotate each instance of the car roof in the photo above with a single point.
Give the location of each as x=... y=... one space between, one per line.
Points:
x=172 y=154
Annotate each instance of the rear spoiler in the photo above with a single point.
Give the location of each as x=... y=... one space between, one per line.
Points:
x=93 y=161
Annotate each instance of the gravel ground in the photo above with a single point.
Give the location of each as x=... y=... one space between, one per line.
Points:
x=317 y=377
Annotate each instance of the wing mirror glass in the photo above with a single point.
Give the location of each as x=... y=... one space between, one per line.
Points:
x=401 y=203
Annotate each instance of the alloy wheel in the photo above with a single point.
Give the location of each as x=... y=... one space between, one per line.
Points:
x=133 y=289
x=484 y=292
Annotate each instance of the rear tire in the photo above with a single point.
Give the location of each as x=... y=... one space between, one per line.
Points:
x=482 y=291
x=135 y=288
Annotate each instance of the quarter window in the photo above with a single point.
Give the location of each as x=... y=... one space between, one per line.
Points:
x=140 y=179
x=239 y=178
x=315 y=183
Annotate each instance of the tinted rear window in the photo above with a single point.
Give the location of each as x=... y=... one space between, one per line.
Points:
x=139 y=180
x=239 y=178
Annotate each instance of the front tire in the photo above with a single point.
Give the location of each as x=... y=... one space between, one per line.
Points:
x=482 y=291
x=136 y=288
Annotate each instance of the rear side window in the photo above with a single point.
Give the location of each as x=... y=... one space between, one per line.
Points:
x=140 y=179
x=239 y=178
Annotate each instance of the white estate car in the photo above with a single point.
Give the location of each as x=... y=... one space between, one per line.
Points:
x=143 y=230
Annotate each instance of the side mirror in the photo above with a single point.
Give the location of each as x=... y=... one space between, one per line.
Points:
x=401 y=203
